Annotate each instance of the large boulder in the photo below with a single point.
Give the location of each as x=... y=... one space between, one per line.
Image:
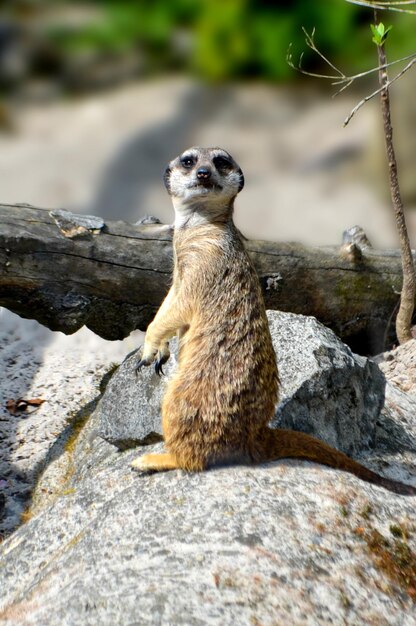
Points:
x=287 y=542
x=280 y=543
x=326 y=390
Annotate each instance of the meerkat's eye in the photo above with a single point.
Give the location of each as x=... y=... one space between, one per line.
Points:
x=222 y=163
x=187 y=161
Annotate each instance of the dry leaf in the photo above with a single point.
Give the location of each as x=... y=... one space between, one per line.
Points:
x=34 y=401
x=21 y=405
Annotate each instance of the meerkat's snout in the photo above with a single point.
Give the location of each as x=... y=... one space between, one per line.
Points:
x=203 y=174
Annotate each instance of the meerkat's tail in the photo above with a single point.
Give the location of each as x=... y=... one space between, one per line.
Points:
x=280 y=443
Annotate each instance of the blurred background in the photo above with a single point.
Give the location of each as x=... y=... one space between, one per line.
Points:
x=96 y=97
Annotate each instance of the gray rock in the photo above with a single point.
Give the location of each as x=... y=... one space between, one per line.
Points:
x=327 y=390
x=272 y=544
x=279 y=543
x=129 y=411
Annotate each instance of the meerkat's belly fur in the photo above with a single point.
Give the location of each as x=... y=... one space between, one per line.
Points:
x=226 y=387
x=218 y=404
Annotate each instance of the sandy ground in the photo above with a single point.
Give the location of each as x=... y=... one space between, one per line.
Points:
x=307 y=179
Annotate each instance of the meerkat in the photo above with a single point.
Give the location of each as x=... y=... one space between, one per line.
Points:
x=219 y=403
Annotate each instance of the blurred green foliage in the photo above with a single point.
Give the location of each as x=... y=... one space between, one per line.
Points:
x=223 y=39
x=252 y=38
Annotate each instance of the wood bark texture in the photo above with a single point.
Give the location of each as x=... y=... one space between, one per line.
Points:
x=113 y=279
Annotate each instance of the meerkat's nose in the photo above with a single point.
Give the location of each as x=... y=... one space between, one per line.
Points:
x=203 y=173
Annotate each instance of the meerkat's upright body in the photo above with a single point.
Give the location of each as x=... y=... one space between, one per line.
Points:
x=219 y=403
x=226 y=388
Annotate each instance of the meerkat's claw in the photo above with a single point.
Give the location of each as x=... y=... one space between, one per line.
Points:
x=158 y=368
x=163 y=358
x=142 y=363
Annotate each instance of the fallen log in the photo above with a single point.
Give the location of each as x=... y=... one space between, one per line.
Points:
x=67 y=271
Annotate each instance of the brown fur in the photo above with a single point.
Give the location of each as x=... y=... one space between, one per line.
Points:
x=219 y=403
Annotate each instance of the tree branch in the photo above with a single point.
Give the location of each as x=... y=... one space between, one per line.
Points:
x=385 y=6
x=408 y=292
x=340 y=78
x=377 y=91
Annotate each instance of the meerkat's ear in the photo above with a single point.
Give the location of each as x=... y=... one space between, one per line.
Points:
x=241 y=185
x=166 y=178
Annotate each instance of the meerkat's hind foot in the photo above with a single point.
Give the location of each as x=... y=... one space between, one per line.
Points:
x=163 y=355
x=143 y=362
x=158 y=366
x=155 y=462
x=158 y=369
x=140 y=364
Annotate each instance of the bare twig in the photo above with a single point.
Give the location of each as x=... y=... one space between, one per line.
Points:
x=378 y=68
x=384 y=6
x=377 y=91
x=343 y=88
x=389 y=2
x=299 y=68
x=310 y=41
x=340 y=78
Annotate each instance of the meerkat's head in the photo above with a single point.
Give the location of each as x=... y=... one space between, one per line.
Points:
x=203 y=183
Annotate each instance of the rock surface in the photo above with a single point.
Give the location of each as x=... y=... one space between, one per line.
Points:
x=400 y=366
x=326 y=390
x=285 y=542
x=66 y=373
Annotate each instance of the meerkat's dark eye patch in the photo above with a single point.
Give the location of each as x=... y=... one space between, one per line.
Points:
x=222 y=163
x=241 y=184
x=187 y=161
